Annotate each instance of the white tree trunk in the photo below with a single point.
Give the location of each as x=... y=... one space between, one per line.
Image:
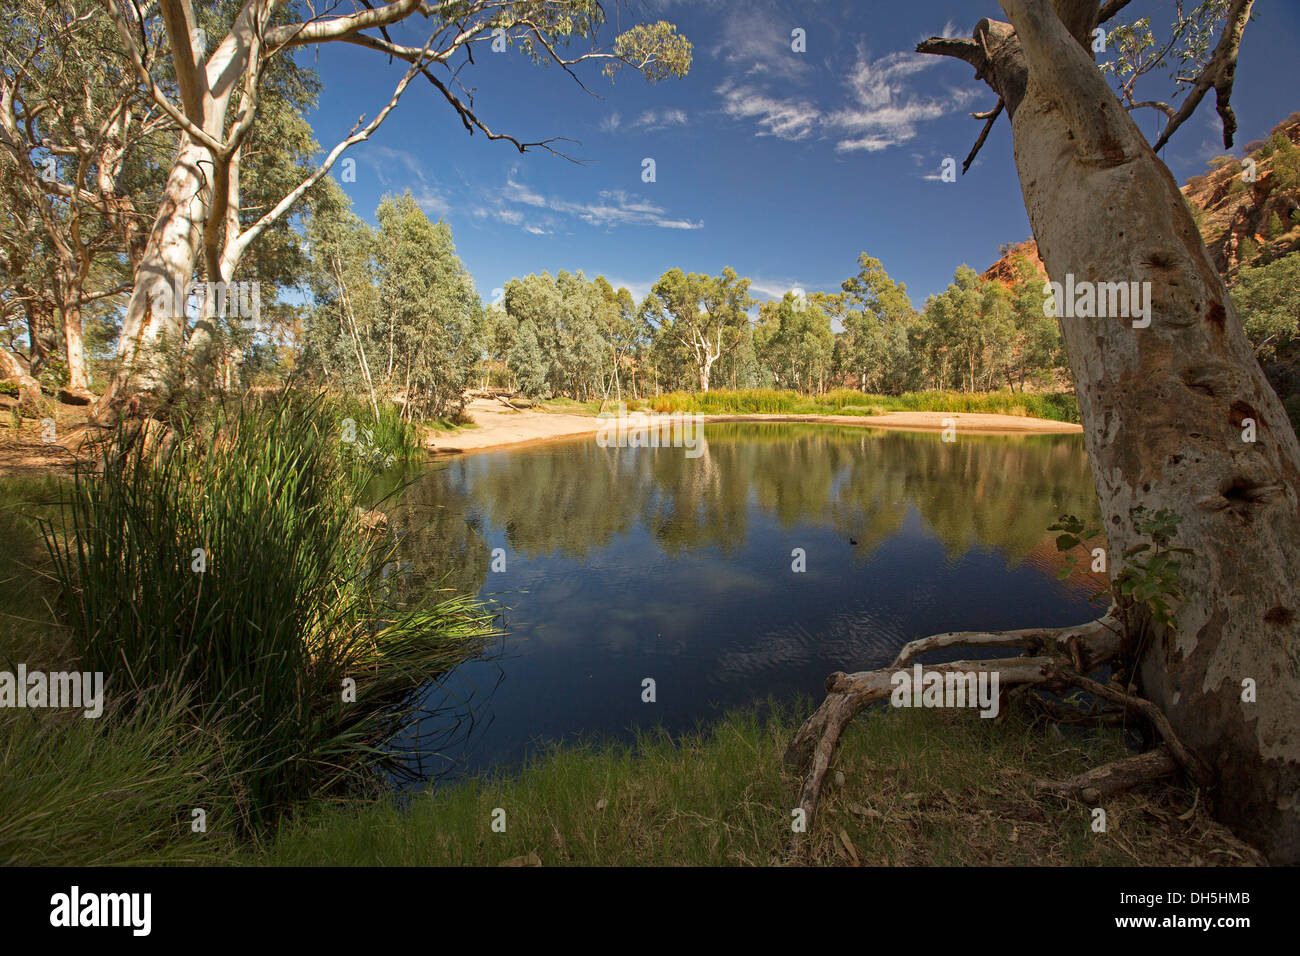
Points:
x=1165 y=409
x=155 y=315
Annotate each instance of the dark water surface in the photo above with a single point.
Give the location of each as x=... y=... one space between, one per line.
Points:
x=623 y=564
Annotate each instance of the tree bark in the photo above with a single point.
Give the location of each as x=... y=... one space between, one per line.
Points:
x=1165 y=409
x=154 y=318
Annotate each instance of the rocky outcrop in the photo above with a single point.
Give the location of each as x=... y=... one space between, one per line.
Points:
x=1243 y=222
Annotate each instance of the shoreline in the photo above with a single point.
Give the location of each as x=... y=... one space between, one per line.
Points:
x=498 y=429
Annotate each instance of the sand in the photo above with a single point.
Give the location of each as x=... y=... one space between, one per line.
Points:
x=497 y=426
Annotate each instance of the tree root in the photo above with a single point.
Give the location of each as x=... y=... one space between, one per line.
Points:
x=1053 y=659
x=1096 y=784
x=1196 y=768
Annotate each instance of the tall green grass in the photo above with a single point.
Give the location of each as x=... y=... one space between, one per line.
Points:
x=375 y=440
x=122 y=788
x=227 y=561
x=767 y=401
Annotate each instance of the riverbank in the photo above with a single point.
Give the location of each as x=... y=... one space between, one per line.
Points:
x=919 y=787
x=497 y=426
x=911 y=788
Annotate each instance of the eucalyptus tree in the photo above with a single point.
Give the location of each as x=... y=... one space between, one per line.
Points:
x=212 y=91
x=340 y=341
x=706 y=315
x=1034 y=352
x=794 y=342
x=1189 y=446
x=878 y=320
x=429 y=311
x=1268 y=299
x=81 y=147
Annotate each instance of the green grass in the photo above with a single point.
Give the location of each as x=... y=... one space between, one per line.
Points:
x=286 y=610
x=1052 y=406
x=112 y=790
x=921 y=788
x=374 y=439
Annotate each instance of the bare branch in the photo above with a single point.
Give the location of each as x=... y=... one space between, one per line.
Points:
x=1154 y=105
x=992 y=117
x=1109 y=9
x=1219 y=74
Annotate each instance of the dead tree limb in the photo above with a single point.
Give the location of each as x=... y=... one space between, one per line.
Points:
x=1050 y=653
x=990 y=118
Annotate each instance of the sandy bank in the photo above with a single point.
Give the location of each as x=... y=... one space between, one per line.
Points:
x=498 y=426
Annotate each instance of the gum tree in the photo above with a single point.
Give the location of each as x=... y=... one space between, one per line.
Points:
x=209 y=84
x=1189 y=446
x=704 y=315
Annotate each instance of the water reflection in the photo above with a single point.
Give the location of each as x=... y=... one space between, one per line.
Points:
x=635 y=562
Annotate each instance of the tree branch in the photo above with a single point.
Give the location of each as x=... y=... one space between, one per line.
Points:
x=1219 y=74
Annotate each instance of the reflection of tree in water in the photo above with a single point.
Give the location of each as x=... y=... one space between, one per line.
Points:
x=574 y=498
x=570 y=499
x=695 y=502
x=437 y=540
x=998 y=492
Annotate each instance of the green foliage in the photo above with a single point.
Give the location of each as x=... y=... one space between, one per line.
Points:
x=913 y=780
x=395 y=312
x=1267 y=299
x=111 y=791
x=1053 y=406
x=1150 y=575
x=1286 y=162
x=288 y=605
x=698 y=317
x=1074 y=533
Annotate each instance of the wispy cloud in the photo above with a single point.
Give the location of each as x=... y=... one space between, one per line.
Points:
x=612 y=207
x=648 y=121
x=386 y=161
x=786 y=118
x=880 y=108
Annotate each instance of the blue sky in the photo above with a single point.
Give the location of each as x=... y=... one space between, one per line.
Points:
x=783 y=165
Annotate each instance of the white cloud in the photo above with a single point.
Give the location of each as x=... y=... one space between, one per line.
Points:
x=612 y=207
x=432 y=201
x=880 y=110
x=756 y=38
x=648 y=120
x=385 y=159
x=788 y=118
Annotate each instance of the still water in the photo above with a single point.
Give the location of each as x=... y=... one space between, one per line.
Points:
x=629 y=563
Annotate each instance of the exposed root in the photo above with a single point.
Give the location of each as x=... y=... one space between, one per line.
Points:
x=1050 y=658
x=1196 y=768
x=1101 y=782
x=1099 y=638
